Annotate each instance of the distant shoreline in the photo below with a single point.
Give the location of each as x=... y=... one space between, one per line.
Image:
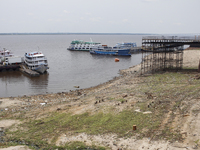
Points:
x=75 y=34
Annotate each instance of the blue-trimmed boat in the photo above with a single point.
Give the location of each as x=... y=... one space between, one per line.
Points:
x=105 y=50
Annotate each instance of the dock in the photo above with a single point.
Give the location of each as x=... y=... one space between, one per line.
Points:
x=9 y=67
x=136 y=49
x=24 y=69
x=19 y=67
x=166 y=52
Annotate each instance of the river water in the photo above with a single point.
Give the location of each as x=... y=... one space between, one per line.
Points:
x=67 y=68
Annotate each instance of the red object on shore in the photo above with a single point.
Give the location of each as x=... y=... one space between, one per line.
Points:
x=116 y=59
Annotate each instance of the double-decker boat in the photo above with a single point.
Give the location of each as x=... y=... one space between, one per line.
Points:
x=80 y=45
x=105 y=50
x=36 y=61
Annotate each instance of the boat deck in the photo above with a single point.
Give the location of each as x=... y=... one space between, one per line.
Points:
x=25 y=70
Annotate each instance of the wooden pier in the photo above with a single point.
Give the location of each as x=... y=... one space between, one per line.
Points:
x=166 y=52
x=136 y=49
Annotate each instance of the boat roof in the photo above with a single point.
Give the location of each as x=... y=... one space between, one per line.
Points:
x=82 y=42
x=2 y=51
x=34 y=54
x=126 y=43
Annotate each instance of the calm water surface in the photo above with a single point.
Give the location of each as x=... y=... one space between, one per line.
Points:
x=67 y=68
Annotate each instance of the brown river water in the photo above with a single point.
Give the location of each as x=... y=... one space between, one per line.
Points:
x=67 y=68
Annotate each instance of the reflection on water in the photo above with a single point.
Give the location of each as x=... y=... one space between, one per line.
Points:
x=39 y=82
x=11 y=77
x=15 y=82
x=11 y=82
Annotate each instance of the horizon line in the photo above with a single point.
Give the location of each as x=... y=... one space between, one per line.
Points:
x=40 y=33
x=89 y=33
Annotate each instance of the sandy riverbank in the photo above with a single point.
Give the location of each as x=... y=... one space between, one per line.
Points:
x=80 y=101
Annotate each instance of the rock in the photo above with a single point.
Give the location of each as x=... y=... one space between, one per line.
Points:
x=124 y=95
x=79 y=93
x=147 y=112
x=137 y=110
x=195 y=147
x=58 y=109
x=43 y=104
x=115 y=143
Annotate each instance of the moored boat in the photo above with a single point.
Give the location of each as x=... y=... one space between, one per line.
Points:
x=5 y=53
x=80 y=45
x=105 y=50
x=36 y=61
x=126 y=45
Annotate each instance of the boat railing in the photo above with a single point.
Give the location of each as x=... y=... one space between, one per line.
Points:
x=36 y=63
x=36 y=59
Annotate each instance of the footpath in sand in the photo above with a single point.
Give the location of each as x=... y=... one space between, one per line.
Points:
x=96 y=99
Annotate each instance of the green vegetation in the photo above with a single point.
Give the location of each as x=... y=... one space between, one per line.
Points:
x=57 y=124
x=172 y=85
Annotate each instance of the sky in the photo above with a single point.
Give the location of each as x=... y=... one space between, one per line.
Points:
x=100 y=16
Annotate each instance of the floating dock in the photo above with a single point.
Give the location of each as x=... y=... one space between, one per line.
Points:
x=9 y=67
x=19 y=67
x=25 y=70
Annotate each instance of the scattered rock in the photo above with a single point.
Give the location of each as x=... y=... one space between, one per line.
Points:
x=124 y=95
x=147 y=112
x=58 y=109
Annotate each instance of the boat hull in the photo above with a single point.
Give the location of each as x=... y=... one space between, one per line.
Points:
x=85 y=50
x=113 y=53
x=42 y=68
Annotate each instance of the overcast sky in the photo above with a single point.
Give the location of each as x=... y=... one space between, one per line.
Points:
x=100 y=16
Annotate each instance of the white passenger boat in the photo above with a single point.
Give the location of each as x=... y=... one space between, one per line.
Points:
x=36 y=61
x=5 y=53
x=79 y=45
